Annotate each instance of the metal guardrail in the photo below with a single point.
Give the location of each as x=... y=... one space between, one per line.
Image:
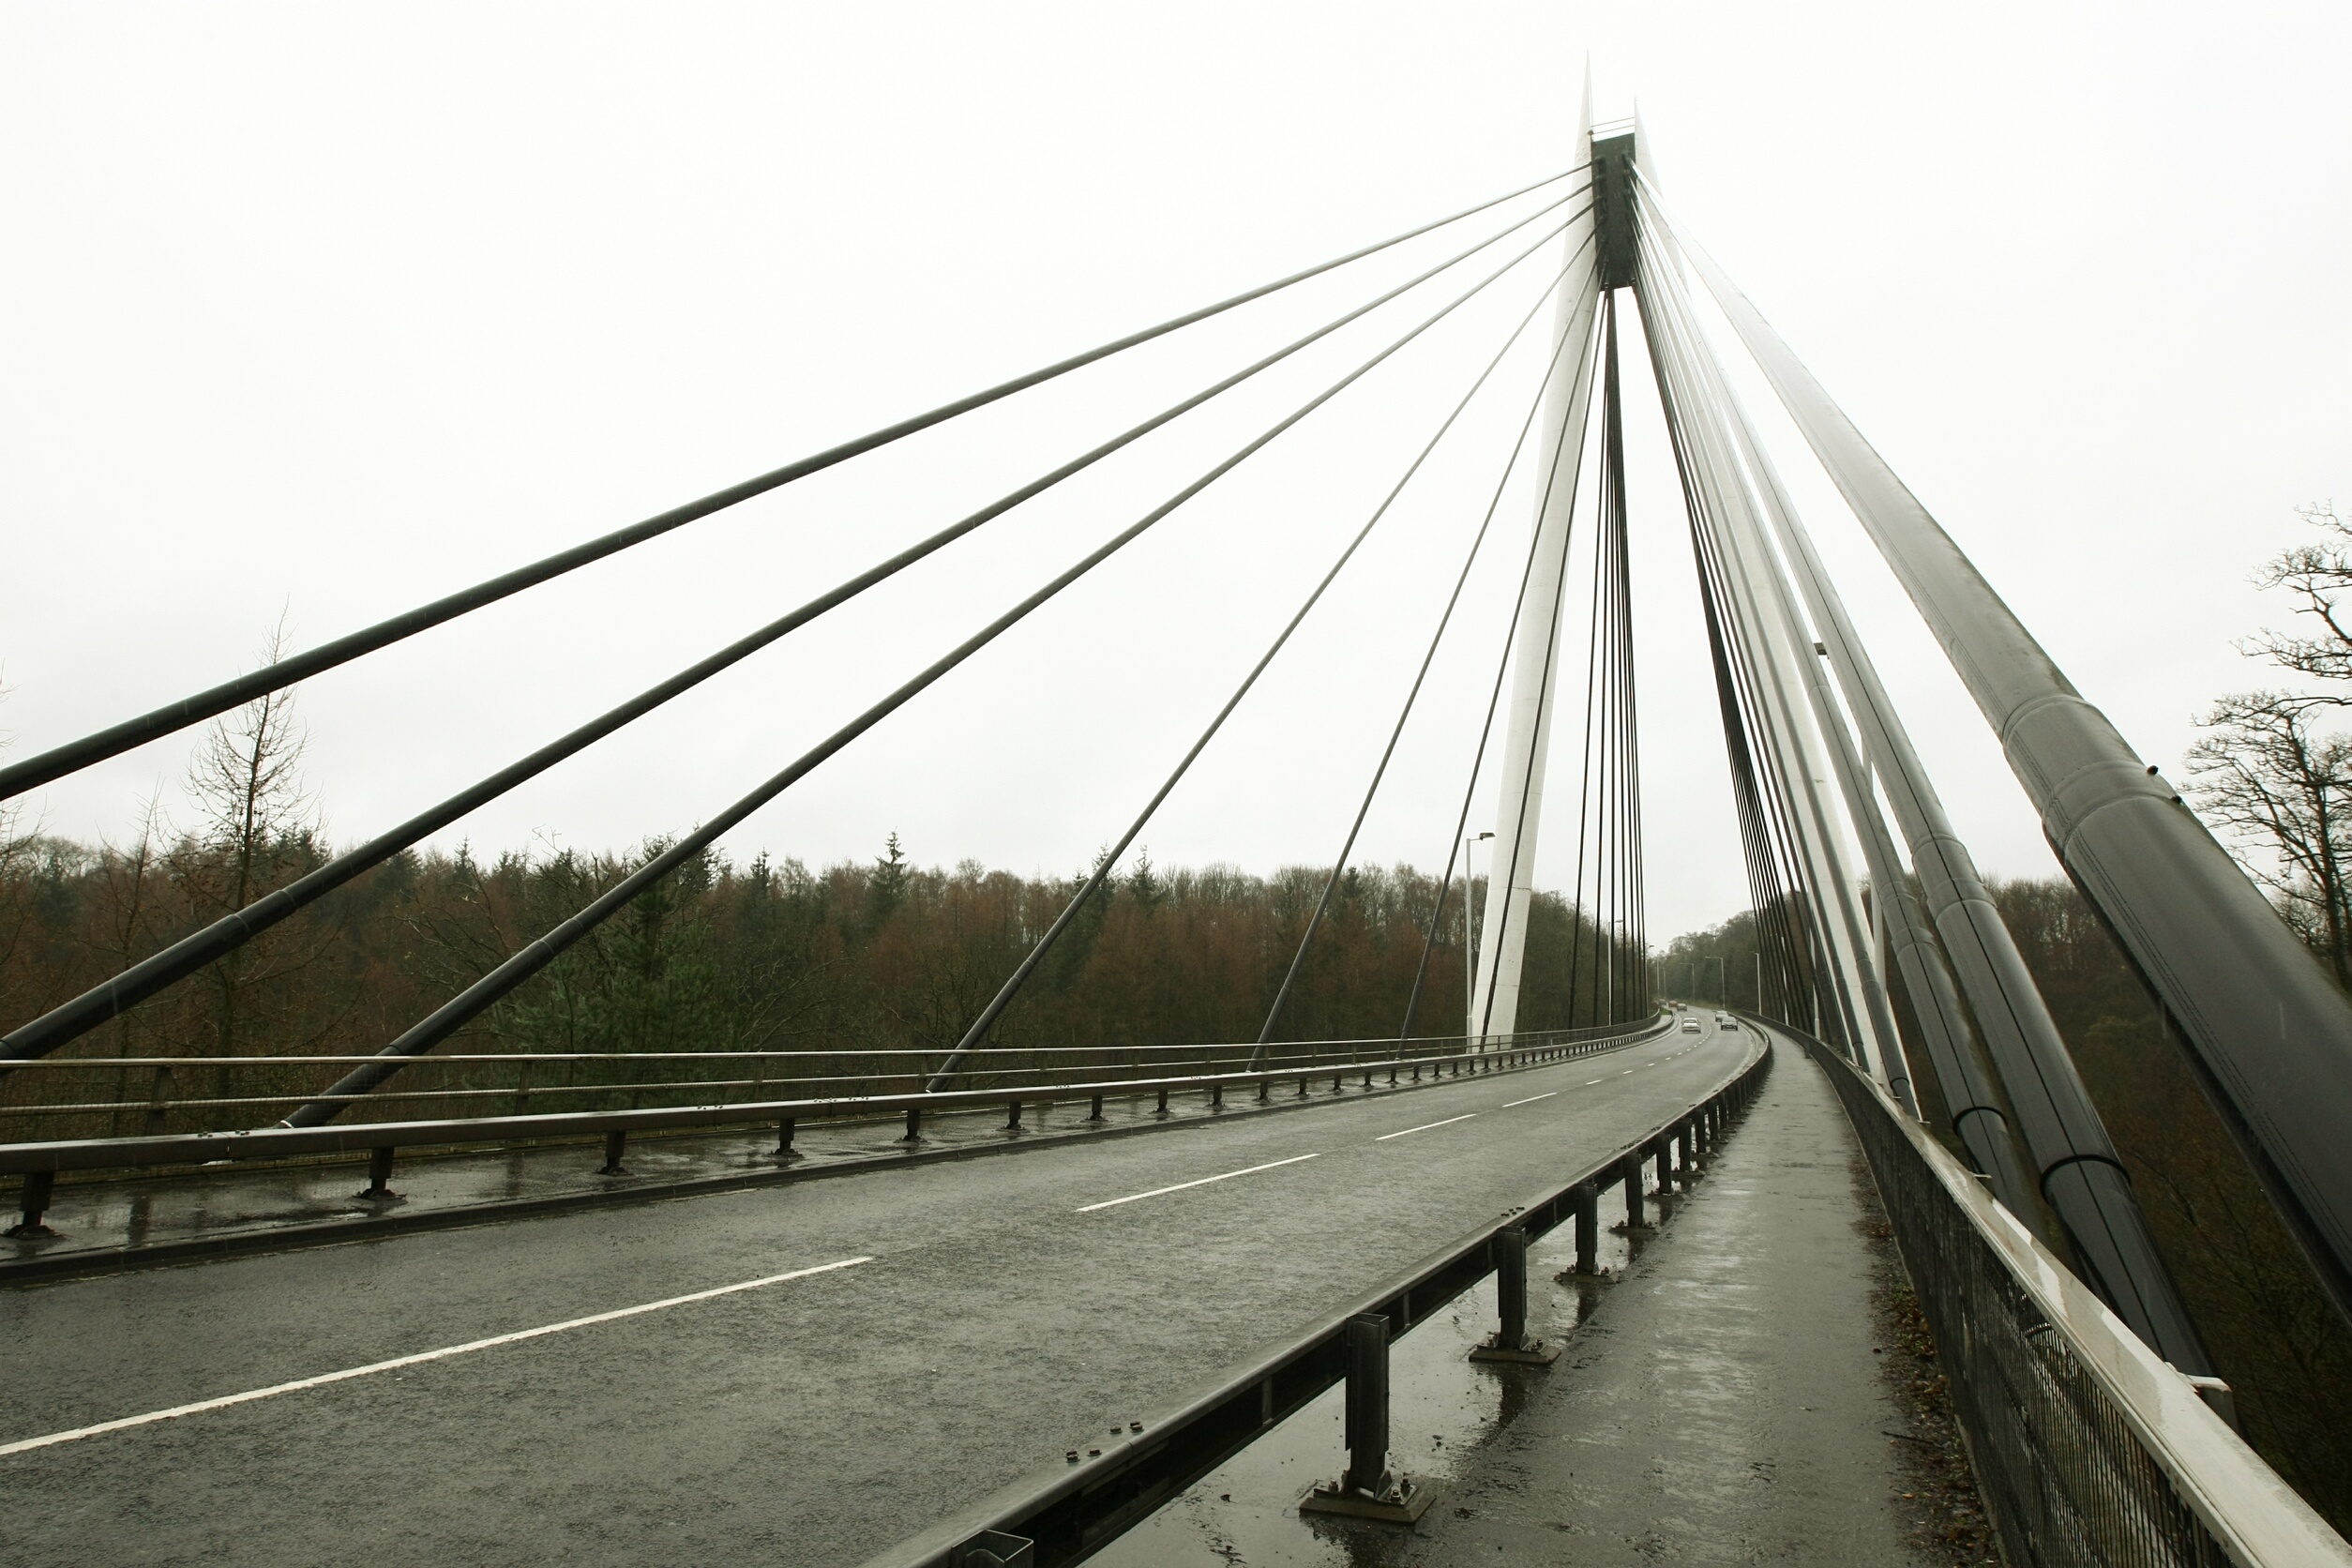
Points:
x=1064 y=1515
x=2089 y=1449
x=521 y=1078
x=40 y=1163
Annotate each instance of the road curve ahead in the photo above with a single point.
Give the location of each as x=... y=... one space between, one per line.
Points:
x=799 y=1374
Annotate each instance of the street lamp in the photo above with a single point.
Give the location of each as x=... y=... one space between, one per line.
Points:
x=1470 y=941
x=1609 y=972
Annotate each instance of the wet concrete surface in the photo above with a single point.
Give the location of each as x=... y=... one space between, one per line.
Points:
x=1002 y=1319
x=1720 y=1399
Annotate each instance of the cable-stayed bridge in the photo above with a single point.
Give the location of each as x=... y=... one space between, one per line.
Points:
x=857 y=1336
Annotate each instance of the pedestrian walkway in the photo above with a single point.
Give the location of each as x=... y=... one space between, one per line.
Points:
x=1726 y=1397
x=1724 y=1402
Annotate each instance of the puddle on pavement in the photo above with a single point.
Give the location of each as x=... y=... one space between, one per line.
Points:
x=1442 y=1410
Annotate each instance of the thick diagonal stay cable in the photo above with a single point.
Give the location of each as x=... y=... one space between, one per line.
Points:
x=1771 y=914
x=1486 y=736
x=1543 y=702
x=1591 y=684
x=1339 y=867
x=1093 y=885
x=454 y=1014
x=109 y=998
x=58 y=761
x=1758 y=725
x=1779 y=720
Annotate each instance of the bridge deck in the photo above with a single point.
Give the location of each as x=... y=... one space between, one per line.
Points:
x=1002 y=1319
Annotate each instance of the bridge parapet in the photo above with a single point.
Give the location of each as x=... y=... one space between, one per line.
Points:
x=2088 y=1447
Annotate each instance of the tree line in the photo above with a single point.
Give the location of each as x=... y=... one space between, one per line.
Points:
x=766 y=955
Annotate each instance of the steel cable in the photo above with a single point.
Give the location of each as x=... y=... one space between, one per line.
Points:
x=58 y=761
x=1045 y=943
x=1828 y=976
x=1478 y=758
x=109 y=998
x=1535 y=749
x=1347 y=848
x=451 y=1016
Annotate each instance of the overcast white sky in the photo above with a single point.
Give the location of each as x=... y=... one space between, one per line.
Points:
x=335 y=309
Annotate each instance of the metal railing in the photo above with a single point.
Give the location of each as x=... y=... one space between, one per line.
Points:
x=1064 y=1515
x=1299 y=1063
x=115 y=1096
x=2087 y=1448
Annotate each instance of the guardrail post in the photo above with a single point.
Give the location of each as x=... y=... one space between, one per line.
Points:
x=1095 y=1112
x=993 y=1548
x=1510 y=1342
x=1633 y=1192
x=33 y=1203
x=1587 y=1199
x=380 y=1173
x=1302 y=1088
x=915 y=1126
x=613 y=1144
x=1265 y=1090
x=1012 y=1116
x=1163 y=1104
x=1368 y=1489
x=158 y=1102
x=784 y=1140
x=1368 y=1401
x=1217 y=1096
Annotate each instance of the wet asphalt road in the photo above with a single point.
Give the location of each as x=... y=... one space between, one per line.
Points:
x=1004 y=1316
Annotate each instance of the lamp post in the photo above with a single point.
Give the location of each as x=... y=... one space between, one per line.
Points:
x=1469 y=940
x=1617 y=945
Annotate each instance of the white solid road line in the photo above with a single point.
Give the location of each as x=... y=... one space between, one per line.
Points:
x=1155 y=1192
x=1533 y=1098
x=78 y=1433
x=1423 y=1127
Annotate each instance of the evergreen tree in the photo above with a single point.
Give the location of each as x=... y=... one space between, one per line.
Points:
x=887 y=888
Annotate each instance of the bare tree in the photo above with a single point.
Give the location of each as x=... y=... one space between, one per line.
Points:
x=20 y=850
x=2265 y=777
x=2265 y=774
x=2317 y=577
x=125 y=893
x=255 y=819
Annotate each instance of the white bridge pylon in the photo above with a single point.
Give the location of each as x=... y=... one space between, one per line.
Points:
x=1765 y=622
x=1519 y=809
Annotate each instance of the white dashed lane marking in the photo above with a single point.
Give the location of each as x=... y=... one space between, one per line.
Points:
x=199 y=1406
x=1159 y=1192
x=1423 y=1127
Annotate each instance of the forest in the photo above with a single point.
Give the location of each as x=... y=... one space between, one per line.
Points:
x=768 y=956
